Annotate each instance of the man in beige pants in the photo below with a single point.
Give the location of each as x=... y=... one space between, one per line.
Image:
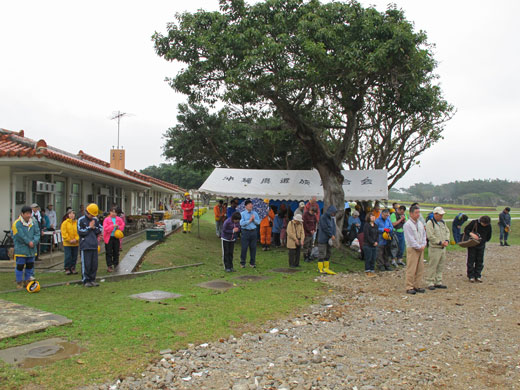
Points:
x=438 y=239
x=415 y=237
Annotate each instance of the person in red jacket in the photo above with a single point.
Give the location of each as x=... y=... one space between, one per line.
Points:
x=187 y=215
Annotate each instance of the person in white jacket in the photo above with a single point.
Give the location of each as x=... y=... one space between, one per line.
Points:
x=415 y=236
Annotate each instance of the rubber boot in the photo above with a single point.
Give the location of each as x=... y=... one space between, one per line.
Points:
x=327 y=269
x=189 y=227
x=185 y=226
x=320 y=267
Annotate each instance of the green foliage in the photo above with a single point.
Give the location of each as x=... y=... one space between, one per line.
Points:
x=202 y=140
x=184 y=177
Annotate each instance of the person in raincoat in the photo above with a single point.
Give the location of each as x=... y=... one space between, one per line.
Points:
x=187 y=215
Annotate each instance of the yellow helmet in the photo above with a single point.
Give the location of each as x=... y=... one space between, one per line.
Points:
x=33 y=286
x=186 y=194
x=387 y=236
x=266 y=200
x=93 y=209
x=392 y=210
x=118 y=234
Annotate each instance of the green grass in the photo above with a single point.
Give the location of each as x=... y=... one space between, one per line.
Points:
x=7 y=280
x=122 y=335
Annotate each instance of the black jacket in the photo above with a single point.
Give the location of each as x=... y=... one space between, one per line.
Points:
x=371 y=234
x=483 y=231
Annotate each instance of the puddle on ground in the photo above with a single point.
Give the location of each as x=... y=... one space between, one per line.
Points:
x=41 y=353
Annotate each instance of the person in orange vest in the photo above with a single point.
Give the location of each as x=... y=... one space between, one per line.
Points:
x=220 y=216
x=187 y=215
x=266 y=228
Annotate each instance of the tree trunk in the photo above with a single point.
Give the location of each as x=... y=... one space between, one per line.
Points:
x=333 y=194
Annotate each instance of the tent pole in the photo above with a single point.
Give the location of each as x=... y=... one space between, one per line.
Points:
x=198 y=215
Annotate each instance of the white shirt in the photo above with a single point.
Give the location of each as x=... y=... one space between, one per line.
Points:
x=414 y=234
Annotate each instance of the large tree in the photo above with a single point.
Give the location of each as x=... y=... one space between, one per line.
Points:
x=309 y=63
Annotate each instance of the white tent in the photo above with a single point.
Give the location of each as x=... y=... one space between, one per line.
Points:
x=292 y=185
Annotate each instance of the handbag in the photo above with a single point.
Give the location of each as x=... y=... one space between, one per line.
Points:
x=467 y=241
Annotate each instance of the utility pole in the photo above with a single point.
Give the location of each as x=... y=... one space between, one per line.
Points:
x=118 y=115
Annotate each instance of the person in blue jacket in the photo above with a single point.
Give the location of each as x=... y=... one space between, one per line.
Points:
x=89 y=229
x=456 y=225
x=326 y=233
x=277 y=228
x=385 y=227
x=26 y=236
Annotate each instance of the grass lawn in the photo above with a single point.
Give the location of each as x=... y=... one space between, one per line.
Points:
x=121 y=334
x=7 y=280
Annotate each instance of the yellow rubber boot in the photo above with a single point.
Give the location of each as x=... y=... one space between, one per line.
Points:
x=185 y=226
x=320 y=267
x=189 y=227
x=327 y=269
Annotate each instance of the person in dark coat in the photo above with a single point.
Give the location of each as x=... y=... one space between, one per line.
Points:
x=229 y=233
x=504 y=223
x=309 y=227
x=456 y=225
x=371 y=238
x=478 y=229
x=326 y=233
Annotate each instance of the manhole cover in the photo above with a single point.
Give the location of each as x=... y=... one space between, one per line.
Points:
x=220 y=285
x=44 y=351
x=251 y=278
x=155 y=295
x=286 y=270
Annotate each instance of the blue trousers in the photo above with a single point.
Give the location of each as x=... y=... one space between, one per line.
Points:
x=21 y=263
x=89 y=265
x=503 y=234
x=370 y=253
x=456 y=234
x=249 y=238
x=71 y=256
x=402 y=244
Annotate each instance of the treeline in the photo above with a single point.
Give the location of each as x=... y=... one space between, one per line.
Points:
x=474 y=192
x=182 y=176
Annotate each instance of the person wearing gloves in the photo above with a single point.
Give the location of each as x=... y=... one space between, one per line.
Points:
x=187 y=212
x=438 y=236
x=326 y=234
x=111 y=224
x=415 y=236
x=89 y=229
x=384 y=225
x=26 y=235
x=69 y=233
x=295 y=240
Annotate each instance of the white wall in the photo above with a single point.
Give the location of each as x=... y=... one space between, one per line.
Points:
x=5 y=199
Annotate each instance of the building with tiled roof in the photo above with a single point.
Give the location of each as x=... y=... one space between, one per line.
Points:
x=34 y=172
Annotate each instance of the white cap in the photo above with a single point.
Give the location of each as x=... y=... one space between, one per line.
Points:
x=439 y=210
x=302 y=204
x=298 y=217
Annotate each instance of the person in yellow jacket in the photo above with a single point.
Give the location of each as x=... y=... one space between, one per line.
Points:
x=295 y=240
x=438 y=236
x=69 y=233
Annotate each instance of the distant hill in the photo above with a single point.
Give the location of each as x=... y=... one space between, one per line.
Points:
x=474 y=192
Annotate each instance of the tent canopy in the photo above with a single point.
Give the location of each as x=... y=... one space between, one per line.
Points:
x=292 y=185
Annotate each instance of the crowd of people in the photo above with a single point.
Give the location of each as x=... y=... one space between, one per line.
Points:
x=80 y=236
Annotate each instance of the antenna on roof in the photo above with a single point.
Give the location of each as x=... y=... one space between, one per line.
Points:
x=118 y=115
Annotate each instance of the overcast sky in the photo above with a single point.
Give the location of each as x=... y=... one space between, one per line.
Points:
x=66 y=66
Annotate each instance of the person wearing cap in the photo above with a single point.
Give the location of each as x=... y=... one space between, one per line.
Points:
x=295 y=239
x=438 y=236
x=326 y=235
x=26 y=235
x=89 y=231
x=220 y=216
x=385 y=235
x=248 y=224
x=415 y=236
x=187 y=207
x=300 y=210
x=266 y=228
x=504 y=223
x=310 y=223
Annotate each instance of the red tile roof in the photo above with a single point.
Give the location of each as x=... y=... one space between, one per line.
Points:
x=15 y=144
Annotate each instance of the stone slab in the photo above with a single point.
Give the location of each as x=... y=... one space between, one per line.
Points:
x=40 y=353
x=156 y=295
x=251 y=278
x=219 y=285
x=286 y=270
x=18 y=319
